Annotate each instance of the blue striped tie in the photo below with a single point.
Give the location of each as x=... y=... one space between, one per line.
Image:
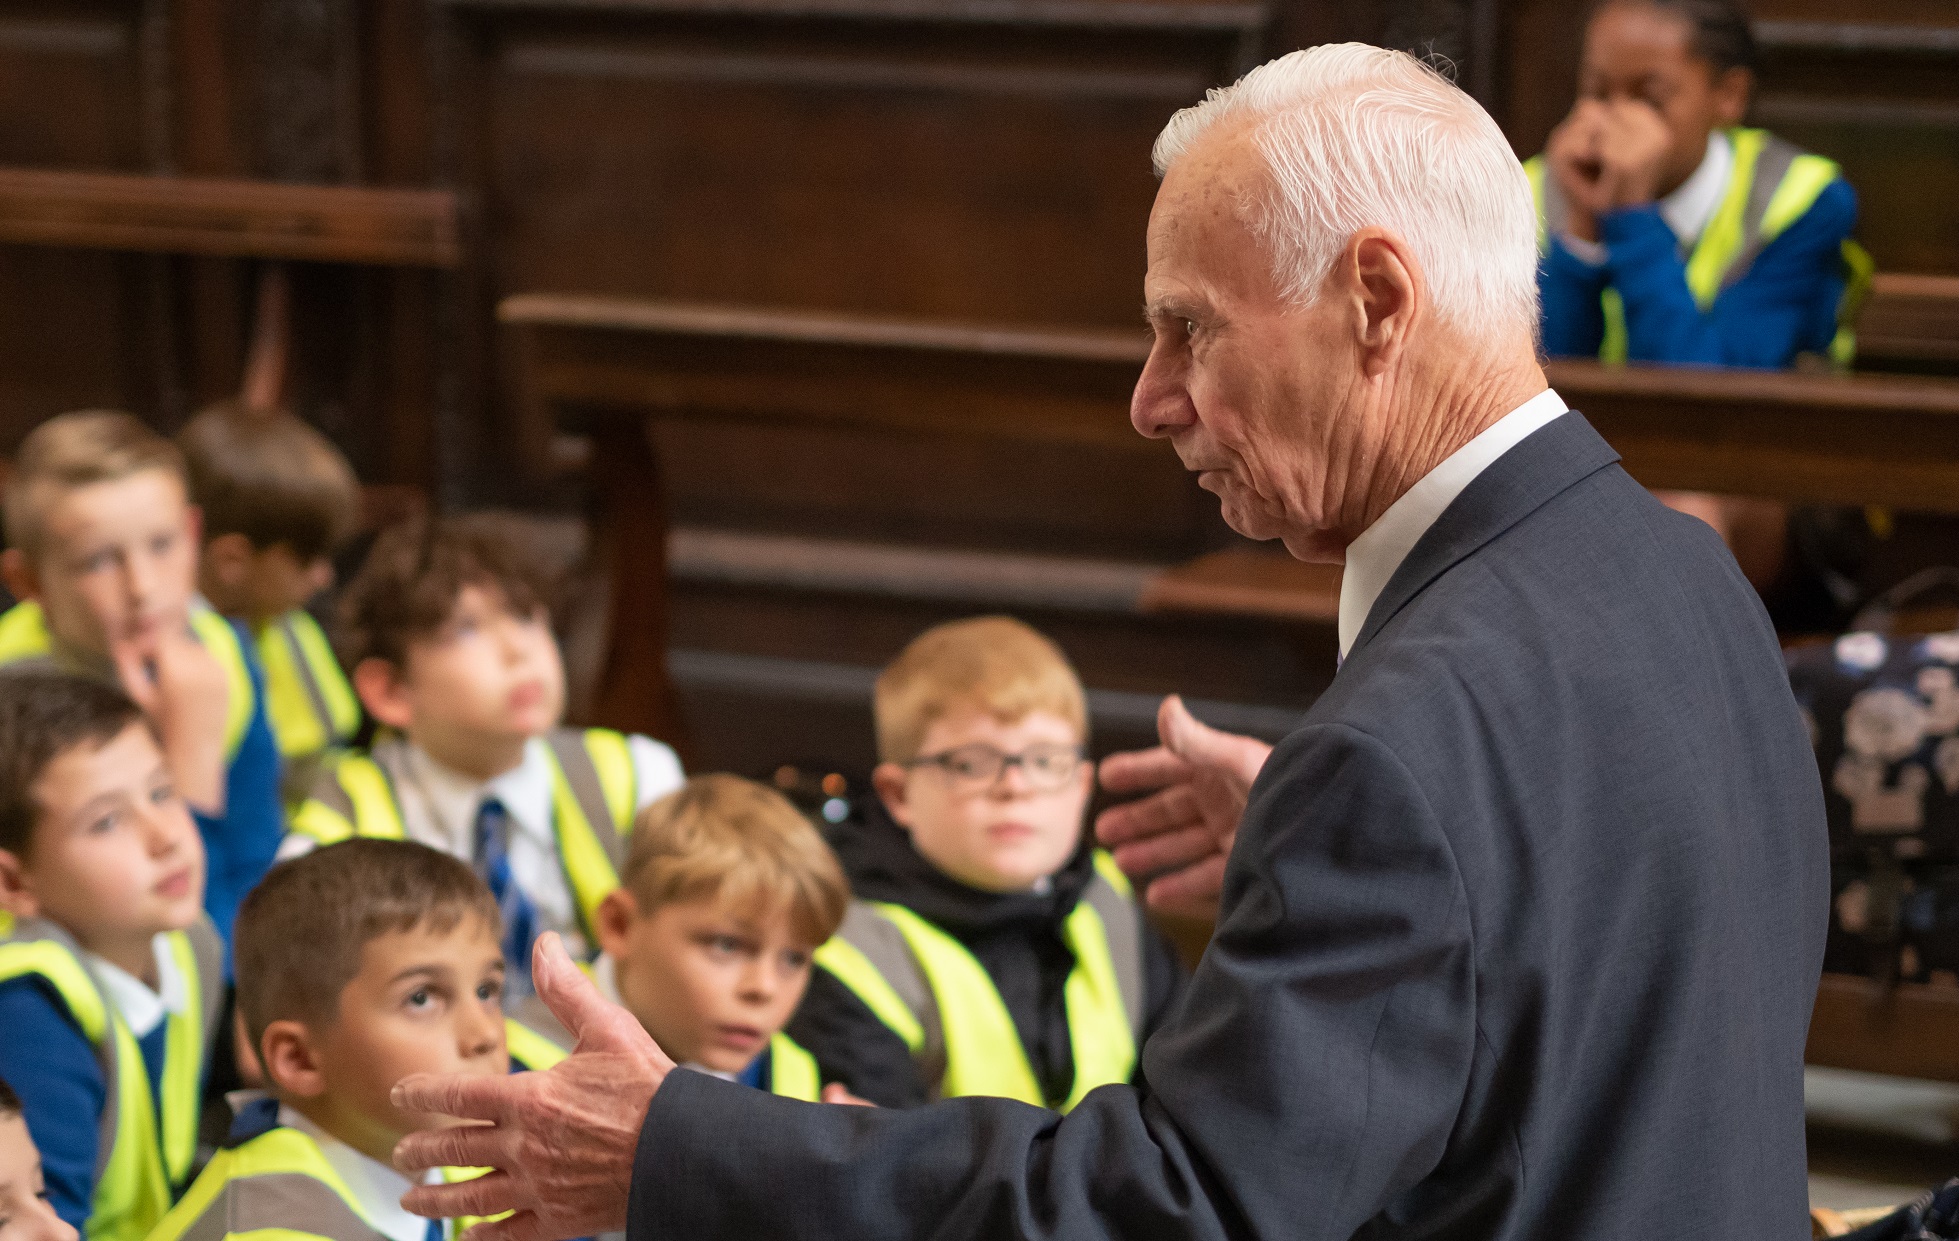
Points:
x=519 y=915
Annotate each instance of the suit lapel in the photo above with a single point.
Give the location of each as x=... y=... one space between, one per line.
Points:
x=1546 y=462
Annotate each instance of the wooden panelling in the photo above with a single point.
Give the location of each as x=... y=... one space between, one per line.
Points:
x=231 y=218
x=1905 y=1030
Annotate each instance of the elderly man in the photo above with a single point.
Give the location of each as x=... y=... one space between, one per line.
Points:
x=1518 y=933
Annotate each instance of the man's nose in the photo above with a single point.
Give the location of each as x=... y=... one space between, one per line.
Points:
x=1160 y=405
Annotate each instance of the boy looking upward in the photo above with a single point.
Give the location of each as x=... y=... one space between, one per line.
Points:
x=990 y=949
x=449 y=640
x=726 y=892
x=26 y=1214
x=1671 y=233
x=103 y=557
x=111 y=976
x=357 y=966
x=277 y=498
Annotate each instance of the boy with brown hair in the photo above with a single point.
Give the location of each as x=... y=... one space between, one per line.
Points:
x=991 y=949
x=358 y=965
x=448 y=635
x=727 y=890
x=277 y=498
x=103 y=556
x=111 y=976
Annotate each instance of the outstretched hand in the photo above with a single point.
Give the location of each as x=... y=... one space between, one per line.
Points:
x=561 y=1142
x=1177 y=838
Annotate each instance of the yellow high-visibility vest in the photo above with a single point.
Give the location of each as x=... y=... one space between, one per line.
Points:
x=308 y=702
x=24 y=635
x=142 y=1158
x=1771 y=184
x=951 y=1016
x=278 y=1186
x=594 y=793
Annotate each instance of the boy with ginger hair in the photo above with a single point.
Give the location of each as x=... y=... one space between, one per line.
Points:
x=726 y=893
x=103 y=557
x=991 y=949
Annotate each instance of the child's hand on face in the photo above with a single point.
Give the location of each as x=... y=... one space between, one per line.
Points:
x=1633 y=149
x=183 y=689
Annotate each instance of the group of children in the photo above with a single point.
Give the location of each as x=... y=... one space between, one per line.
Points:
x=227 y=863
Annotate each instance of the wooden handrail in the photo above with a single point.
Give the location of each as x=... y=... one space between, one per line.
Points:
x=229 y=218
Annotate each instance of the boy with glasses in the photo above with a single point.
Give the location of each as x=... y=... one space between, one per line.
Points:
x=990 y=950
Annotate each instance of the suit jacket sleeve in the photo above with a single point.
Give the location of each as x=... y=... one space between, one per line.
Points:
x=1311 y=1075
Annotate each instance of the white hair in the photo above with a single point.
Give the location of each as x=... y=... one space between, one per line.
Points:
x=1355 y=136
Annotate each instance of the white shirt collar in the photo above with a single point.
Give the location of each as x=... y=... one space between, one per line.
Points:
x=1373 y=557
x=377 y=1187
x=142 y=1007
x=1688 y=209
x=447 y=800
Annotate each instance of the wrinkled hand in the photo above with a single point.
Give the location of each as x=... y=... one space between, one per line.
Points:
x=183 y=689
x=561 y=1141
x=1179 y=836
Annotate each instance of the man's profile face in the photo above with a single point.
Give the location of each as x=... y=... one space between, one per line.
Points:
x=1249 y=388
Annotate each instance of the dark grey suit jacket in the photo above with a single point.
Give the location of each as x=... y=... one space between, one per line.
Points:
x=1519 y=940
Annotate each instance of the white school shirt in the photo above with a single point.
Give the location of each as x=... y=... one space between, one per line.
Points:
x=1688 y=209
x=376 y=1186
x=142 y=1007
x=1378 y=552
x=439 y=807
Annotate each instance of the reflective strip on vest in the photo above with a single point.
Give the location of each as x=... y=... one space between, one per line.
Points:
x=138 y=1160
x=792 y=1071
x=528 y=1048
x=307 y=698
x=983 y=1051
x=278 y=1184
x=1771 y=185
x=24 y=635
x=854 y=970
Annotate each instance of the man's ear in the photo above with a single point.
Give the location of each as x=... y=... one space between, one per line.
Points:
x=16 y=891
x=290 y=1060
x=1377 y=276
x=1733 y=91
x=889 y=781
x=615 y=921
x=18 y=572
x=383 y=690
x=228 y=561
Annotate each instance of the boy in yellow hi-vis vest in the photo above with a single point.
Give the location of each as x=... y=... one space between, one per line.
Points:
x=1672 y=233
x=725 y=894
x=990 y=949
x=277 y=499
x=111 y=976
x=358 y=965
x=24 y=1201
x=447 y=635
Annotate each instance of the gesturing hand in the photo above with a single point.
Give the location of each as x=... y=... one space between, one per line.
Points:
x=561 y=1141
x=1198 y=781
x=183 y=689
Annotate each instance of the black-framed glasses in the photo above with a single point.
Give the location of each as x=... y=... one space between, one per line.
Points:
x=980 y=766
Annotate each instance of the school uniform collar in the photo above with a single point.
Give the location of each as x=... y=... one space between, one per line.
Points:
x=142 y=1007
x=377 y=1187
x=1373 y=557
x=450 y=799
x=1689 y=208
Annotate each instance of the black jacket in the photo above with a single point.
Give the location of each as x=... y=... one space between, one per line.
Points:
x=1520 y=937
x=1016 y=938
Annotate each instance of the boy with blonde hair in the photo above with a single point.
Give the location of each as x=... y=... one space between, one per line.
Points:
x=358 y=965
x=277 y=498
x=111 y=975
x=103 y=556
x=726 y=893
x=448 y=636
x=991 y=950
